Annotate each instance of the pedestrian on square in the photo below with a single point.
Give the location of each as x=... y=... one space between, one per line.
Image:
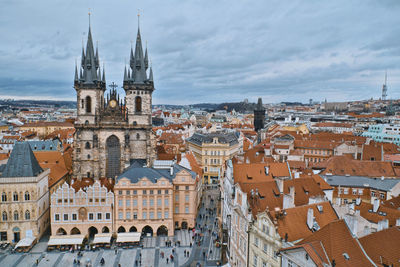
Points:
x=167 y=260
x=115 y=251
x=184 y=252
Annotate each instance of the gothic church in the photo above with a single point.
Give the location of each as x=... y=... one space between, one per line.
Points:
x=112 y=132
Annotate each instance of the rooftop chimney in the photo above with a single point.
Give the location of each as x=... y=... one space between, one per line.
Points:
x=352 y=223
x=376 y=205
x=279 y=184
x=384 y=224
x=310 y=218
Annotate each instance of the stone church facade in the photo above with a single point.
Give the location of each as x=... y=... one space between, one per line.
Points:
x=112 y=132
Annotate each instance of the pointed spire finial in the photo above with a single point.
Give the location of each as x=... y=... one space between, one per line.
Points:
x=138 y=17
x=89 y=13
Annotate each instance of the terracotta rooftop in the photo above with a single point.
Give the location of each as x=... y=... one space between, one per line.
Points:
x=383 y=247
x=293 y=222
x=383 y=213
x=339 y=244
x=60 y=164
x=393 y=203
x=315 y=251
x=256 y=172
x=342 y=165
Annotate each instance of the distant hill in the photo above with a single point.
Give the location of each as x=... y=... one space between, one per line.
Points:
x=38 y=103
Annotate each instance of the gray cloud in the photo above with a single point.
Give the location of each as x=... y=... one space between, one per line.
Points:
x=208 y=51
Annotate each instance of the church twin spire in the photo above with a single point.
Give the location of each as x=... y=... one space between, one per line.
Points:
x=138 y=64
x=89 y=70
x=90 y=73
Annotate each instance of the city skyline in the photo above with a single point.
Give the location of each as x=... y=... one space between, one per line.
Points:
x=279 y=51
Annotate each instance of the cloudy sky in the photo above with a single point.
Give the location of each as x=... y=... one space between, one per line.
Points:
x=208 y=50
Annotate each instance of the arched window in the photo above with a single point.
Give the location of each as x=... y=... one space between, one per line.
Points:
x=137 y=136
x=82 y=103
x=16 y=216
x=87 y=145
x=4 y=216
x=4 y=197
x=138 y=104
x=15 y=196
x=88 y=104
x=27 y=215
x=27 y=196
x=88 y=156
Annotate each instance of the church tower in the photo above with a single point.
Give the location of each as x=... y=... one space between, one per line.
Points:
x=259 y=116
x=112 y=132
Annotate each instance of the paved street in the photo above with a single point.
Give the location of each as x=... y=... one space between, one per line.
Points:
x=153 y=248
x=206 y=221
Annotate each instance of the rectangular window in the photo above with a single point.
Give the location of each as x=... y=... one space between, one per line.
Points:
x=256 y=241
x=144 y=203
x=128 y=215
x=135 y=215
x=159 y=215
x=382 y=195
x=135 y=202
x=176 y=209
x=91 y=216
x=135 y=192
x=3 y=236
x=144 y=192
x=159 y=202
x=187 y=197
x=66 y=217
x=265 y=247
x=151 y=192
x=120 y=192
x=128 y=192
x=74 y=216
x=120 y=215
x=186 y=209
x=166 y=214
x=345 y=191
x=108 y=216
x=159 y=192
x=128 y=202
x=56 y=217
x=166 y=192
x=166 y=202
x=360 y=191
x=187 y=187
x=151 y=214
x=255 y=260
x=151 y=202
x=99 y=216
x=120 y=202
x=176 y=197
x=354 y=191
x=177 y=187
x=144 y=215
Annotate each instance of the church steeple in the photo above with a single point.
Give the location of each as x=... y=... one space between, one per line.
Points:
x=138 y=63
x=90 y=61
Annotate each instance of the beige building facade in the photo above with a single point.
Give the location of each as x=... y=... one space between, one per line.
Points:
x=85 y=210
x=156 y=200
x=24 y=206
x=265 y=242
x=212 y=151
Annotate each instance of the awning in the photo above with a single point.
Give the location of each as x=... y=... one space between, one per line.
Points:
x=102 y=238
x=26 y=242
x=128 y=237
x=65 y=240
